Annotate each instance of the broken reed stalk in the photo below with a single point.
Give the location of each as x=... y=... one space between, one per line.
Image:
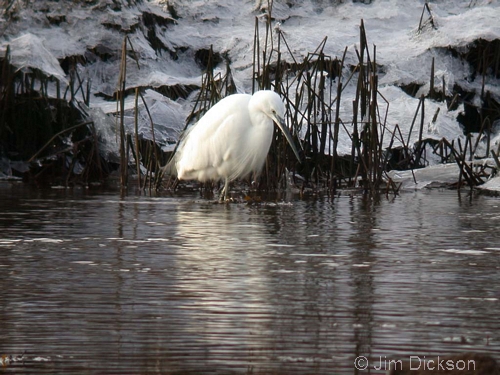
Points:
x=419 y=146
x=49 y=142
x=431 y=18
x=126 y=140
x=153 y=154
x=484 y=125
x=336 y=127
x=121 y=103
x=407 y=156
x=465 y=169
x=136 y=131
x=431 y=88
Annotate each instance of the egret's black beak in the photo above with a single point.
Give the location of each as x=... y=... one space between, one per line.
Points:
x=281 y=124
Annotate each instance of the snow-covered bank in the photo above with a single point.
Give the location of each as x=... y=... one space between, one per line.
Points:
x=170 y=40
x=492 y=185
x=443 y=175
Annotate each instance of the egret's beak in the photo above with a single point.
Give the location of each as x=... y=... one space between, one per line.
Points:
x=281 y=124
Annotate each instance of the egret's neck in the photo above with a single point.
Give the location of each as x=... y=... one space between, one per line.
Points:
x=262 y=125
x=261 y=134
x=259 y=139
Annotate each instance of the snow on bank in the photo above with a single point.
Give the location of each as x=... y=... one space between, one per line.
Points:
x=492 y=185
x=166 y=35
x=442 y=175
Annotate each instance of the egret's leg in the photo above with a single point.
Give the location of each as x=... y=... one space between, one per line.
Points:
x=223 y=194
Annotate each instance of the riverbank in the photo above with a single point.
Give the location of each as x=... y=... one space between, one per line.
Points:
x=97 y=85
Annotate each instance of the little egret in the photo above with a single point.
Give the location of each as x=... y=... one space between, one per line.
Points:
x=232 y=139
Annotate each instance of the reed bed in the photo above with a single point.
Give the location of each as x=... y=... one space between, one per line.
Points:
x=56 y=143
x=312 y=89
x=56 y=135
x=313 y=102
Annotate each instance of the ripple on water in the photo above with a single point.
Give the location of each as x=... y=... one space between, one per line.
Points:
x=138 y=285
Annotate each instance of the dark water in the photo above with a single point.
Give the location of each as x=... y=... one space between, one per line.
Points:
x=91 y=283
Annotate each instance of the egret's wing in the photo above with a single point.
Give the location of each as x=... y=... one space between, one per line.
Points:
x=209 y=143
x=229 y=147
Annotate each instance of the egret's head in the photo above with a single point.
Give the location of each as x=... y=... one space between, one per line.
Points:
x=272 y=106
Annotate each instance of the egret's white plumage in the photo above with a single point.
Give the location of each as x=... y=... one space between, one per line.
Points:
x=232 y=139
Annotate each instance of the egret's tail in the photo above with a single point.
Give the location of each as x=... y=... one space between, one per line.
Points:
x=170 y=168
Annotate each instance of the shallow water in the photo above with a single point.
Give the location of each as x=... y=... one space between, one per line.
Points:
x=94 y=283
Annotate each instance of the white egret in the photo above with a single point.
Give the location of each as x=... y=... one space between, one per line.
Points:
x=232 y=139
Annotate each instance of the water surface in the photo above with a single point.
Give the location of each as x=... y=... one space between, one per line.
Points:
x=95 y=283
